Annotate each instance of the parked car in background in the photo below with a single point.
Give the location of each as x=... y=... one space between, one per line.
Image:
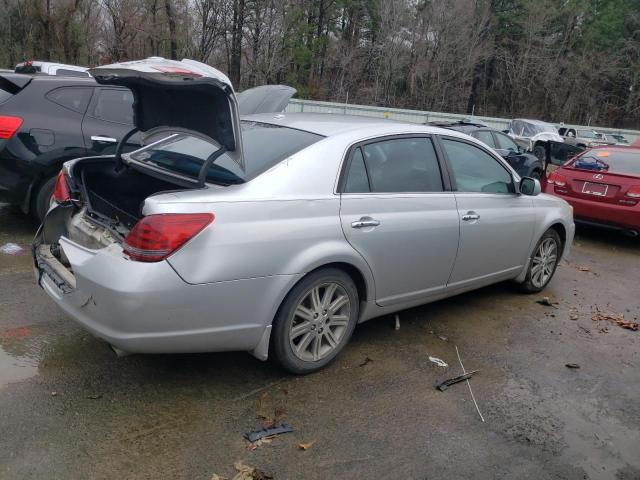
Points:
x=264 y=99
x=532 y=135
x=46 y=120
x=603 y=186
x=51 y=68
x=583 y=137
x=526 y=164
x=279 y=233
x=616 y=139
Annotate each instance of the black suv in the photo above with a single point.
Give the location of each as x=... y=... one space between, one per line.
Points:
x=525 y=164
x=47 y=120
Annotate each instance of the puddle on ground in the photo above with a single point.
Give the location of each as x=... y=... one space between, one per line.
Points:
x=16 y=368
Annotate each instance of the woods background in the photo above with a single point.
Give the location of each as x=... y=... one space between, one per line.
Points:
x=560 y=60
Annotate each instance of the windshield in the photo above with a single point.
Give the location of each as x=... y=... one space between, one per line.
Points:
x=264 y=146
x=531 y=129
x=613 y=161
x=588 y=134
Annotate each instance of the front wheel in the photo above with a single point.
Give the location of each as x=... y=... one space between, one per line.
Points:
x=543 y=263
x=42 y=199
x=315 y=321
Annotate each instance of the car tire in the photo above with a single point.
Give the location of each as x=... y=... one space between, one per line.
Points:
x=536 y=173
x=315 y=321
x=540 y=152
x=549 y=246
x=42 y=199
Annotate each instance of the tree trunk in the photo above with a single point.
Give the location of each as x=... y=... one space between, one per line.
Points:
x=172 y=30
x=236 y=42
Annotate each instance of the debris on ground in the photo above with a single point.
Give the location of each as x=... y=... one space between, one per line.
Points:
x=618 y=319
x=583 y=269
x=442 y=385
x=53 y=394
x=245 y=472
x=439 y=362
x=546 y=301
x=277 y=429
x=573 y=316
x=11 y=249
x=572 y=365
x=444 y=339
x=397 y=322
x=464 y=372
x=306 y=446
x=95 y=396
x=259 y=443
x=367 y=360
x=584 y=329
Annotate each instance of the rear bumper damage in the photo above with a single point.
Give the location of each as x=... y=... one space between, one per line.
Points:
x=147 y=308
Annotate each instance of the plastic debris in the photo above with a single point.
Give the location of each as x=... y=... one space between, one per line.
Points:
x=572 y=365
x=366 y=361
x=278 y=429
x=306 y=446
x=439 y=362
x=546 y=301
x=11 y=249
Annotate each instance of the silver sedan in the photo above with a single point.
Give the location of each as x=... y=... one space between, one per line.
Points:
x=278 y=233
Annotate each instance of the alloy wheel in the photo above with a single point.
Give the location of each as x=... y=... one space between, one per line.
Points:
x=319 y=321
x=544 y=262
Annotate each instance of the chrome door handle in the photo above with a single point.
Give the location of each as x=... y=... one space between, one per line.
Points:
x=365 y=222
x=470 y=216
x=100 y=138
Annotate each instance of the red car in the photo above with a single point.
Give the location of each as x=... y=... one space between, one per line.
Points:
x=603 y=186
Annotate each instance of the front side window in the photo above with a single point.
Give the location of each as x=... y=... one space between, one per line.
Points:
x=505 y=142
x=114 y=106
x=474 y=170
x=396 y=166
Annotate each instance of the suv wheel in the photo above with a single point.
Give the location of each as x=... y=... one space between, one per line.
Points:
x=315 y=321
x=540 y=152
x=544 y=262
x=42 y=199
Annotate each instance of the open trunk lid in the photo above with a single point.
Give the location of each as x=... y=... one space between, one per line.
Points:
x=185 y=94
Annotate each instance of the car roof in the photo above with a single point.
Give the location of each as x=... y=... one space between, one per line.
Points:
x=536 y=122
x=330 y=124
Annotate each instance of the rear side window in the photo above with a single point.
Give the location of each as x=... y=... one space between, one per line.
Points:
x=395 y=166
x=114 y=106
x=485 y=137
x=613 y=161
x=505 y=142
x=71 y=73
x=73 y=98
x=475 y=170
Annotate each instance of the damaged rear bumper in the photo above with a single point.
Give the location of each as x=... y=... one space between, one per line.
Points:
x=147 y=308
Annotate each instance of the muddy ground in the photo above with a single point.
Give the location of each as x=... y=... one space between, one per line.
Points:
x=69 y=408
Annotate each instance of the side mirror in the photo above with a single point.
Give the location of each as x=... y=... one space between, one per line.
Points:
x=530 y=186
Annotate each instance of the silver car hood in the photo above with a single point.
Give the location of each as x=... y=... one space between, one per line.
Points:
x=182 y=94
x=546 y=136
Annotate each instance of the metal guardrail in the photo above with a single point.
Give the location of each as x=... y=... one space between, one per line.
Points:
x=420 y=116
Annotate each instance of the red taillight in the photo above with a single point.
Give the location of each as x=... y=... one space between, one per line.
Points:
x=9 y=126
x=634 y=191
x=155 y=237
x=556 y=179
x=61 y=190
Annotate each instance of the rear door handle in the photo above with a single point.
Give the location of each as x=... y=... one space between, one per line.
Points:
x=365 y=222
x=103 y=139
x=467 y=217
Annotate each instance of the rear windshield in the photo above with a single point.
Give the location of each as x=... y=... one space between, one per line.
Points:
x=614 y=161
x=264 y=146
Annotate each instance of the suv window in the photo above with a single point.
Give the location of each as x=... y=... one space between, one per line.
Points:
x=475 y=170
x=114 y=106
x=4 y=95
x=70 y=73
x=393 y=166
x=485 y=137
x=505 y=142
x=73 y=98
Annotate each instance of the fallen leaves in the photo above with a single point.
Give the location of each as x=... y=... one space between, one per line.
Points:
x=367 y=360
x=617 y=319
x=306 y=446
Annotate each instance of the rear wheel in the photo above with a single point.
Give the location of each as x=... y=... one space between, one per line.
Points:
x=543 y=263
x=315 y=321
x=42 y=199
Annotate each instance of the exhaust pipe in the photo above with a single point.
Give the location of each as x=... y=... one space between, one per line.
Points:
x=118 y=352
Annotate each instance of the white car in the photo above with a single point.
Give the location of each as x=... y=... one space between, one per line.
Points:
x=50 y=68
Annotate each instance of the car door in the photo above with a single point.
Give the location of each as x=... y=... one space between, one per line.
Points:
x=497 y=224
x=108 y=119
x=398 y=212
